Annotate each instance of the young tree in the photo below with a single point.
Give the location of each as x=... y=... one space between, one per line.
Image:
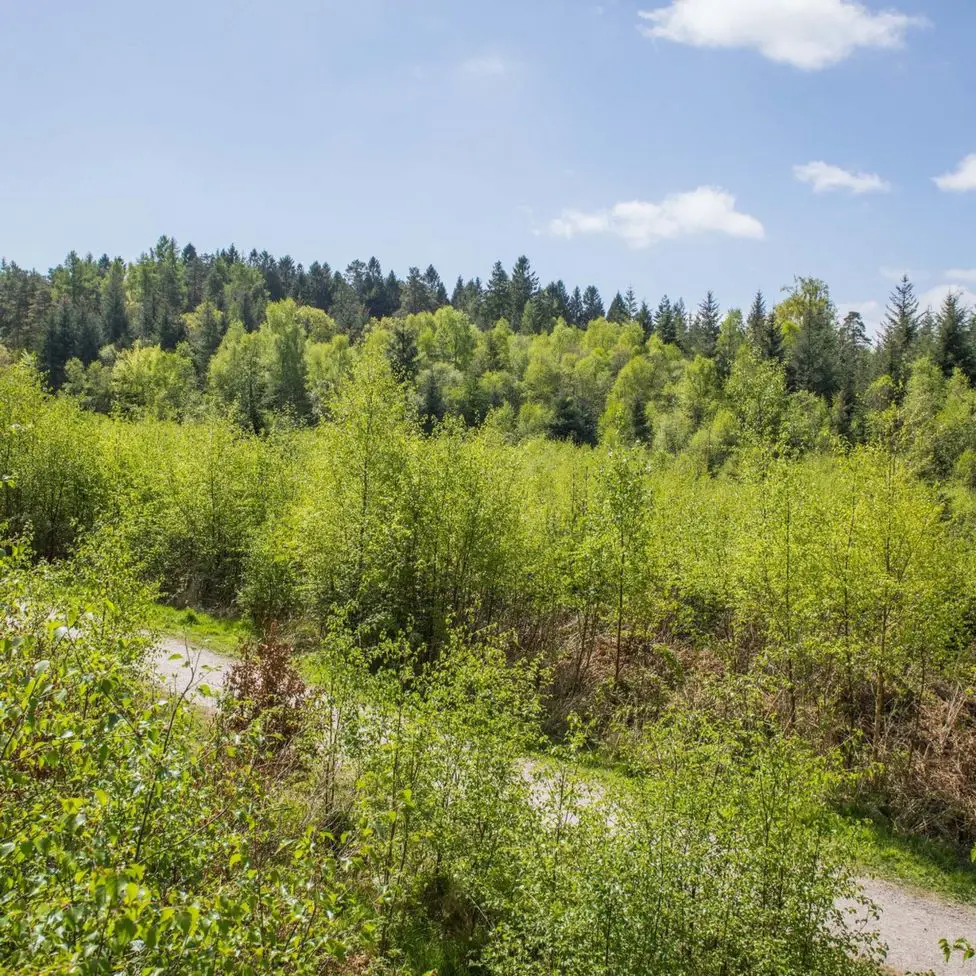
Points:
x=523 y=287
x=899 y=331
x=955 y=337
x=705 y=327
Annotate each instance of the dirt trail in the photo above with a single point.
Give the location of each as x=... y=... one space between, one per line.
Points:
x=911 y=923
x=181 y=665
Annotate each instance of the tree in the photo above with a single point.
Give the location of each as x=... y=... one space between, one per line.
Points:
x=664 y=322
x=618 y=310
x=115 y=315
x=435 y=289
x=645 y=320
x=415 y=296
x=756 y=325
x=705 y=327
x=205 y=328
x=592 y=305
x=523 y=287
x=899 y=331
x=630 y=300
x=955 y=337
x=574 y=308
x=853 y=344
x=59 y=343
x=402 y=352
x=498 y=296
x=807 y=319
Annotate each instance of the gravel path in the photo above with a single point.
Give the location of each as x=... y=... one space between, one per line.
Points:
x=911 y=923
x=180 y=665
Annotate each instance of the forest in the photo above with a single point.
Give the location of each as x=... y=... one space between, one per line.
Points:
x=571 y=631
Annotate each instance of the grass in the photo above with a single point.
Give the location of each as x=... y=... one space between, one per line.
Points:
x=219 y=634
x=912 y=860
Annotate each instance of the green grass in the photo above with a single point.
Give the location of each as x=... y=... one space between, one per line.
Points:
x=219 y=634
x=918 y=861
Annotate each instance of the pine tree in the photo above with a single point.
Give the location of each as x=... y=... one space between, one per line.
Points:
x=756 y=324
x=435 y=289
x=955 y=337
x=592 y=305
x=853 y=343
x=706 y=326
x=58 y=345
x=618 y=310
x=415 y=297
x=115 y=316
x=630 y=300
x=645 y=320
x=88 y=338
x=559 y=298
x=574 y=309
x=664 y=322
x=523 y=287
x=681 y=324
x=899 y=331
x=498 y=297
x=402 y=353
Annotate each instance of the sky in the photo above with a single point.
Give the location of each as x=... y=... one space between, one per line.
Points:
x=674 y=146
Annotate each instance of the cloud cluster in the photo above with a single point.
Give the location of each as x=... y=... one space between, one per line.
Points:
x=640 y=224
x=823 y=178
x=962 y=178
x=808 y=34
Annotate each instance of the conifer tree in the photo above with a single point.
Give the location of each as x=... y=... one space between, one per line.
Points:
x=899 y=331
x=618 y=310
x=592 y=305
x=664 y=322
x=955 y=337
x=498 y=296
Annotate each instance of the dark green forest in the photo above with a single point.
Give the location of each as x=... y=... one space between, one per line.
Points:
x=574 y=628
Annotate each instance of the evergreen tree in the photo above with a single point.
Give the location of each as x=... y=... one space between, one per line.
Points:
x=645 y=320
x=756 y=325
x=955 y=337
x=498 y=296
x=664 y=322
x=523 y=286
x=559 y=298
x=680 y=324
x=435 y=289
x=320 y=286
x=574 y=308
x=402 y=353
x=592 y=306
x=59 y=343
x=415 y=297
x=88 y=337
x=618 y=310
x=899 y=331
x=809 y=316
x=630 y=300
x=706 y=326
x=115 y=316
x=853 y=344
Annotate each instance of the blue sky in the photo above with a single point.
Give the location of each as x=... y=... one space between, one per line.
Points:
x=657 y=150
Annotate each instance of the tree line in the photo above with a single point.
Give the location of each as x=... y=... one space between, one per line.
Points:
x=177 y=331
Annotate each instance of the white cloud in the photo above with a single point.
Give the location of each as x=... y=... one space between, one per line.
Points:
x=640 y=224
x=934 y=297
x=486 y=66
x=961 y=275
x=808 y=34
x=962 y=179
x=823 y=177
